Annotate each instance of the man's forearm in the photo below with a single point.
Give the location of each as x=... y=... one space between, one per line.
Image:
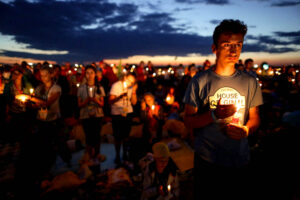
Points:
x=198 y=120
x=253 y=125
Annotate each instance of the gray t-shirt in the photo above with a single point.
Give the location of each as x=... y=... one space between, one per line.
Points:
x=92 y=109
x=204 y=92
x=53 y=110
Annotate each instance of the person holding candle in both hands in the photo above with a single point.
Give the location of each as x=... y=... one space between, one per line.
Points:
x=221 y=106
x=121 y=98
x=160 y=177
x=91 y=101
x=152 y=116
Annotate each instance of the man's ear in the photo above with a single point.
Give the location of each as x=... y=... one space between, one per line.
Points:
x=214 y=48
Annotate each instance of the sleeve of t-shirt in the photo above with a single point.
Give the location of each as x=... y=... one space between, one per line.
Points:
x=79 y=92
x=102 y=92
x=256 y=95
x=191 y=96
x=55 y=89
x=114 y=90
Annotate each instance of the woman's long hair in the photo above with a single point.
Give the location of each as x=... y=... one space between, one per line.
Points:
x=97 y=83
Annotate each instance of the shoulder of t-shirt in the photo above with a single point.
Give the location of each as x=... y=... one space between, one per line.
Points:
x=114 y=87
x=201 y=76
x=247 y=76
x=56 y=87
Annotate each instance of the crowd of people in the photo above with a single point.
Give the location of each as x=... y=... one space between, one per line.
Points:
x=41 y=103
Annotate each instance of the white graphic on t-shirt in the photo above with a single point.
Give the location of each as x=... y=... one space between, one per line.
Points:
x=229 y=96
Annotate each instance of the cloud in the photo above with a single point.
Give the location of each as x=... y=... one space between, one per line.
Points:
x=288 y=34
x=60 y=26
x=215 y=21
x=213 y=2
x=93 y=30
x=285 y=3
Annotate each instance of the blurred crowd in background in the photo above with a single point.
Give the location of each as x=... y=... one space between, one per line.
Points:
x=156 y=113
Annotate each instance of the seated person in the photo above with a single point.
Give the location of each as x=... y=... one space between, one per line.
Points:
x=159 y=172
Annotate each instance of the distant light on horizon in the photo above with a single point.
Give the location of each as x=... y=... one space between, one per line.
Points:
x=265 y=66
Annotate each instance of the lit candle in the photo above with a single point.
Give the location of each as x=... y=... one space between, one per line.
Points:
x=125 y=85
x=70 y=72
x=22 y=97
x=153 y=107
x=31 y=90
x=169 y=188
x=91 y=91
x=78 y=84
x=237 y=115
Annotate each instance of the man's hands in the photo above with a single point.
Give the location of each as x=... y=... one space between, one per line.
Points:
x=233 y=131
x=224 y=111
x=237 y=132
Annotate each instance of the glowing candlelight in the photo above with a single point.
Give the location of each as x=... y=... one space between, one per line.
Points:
x=237 y=115
x=31 y=90
x=125 y=85
x=22 y=97
x=153 y=107
x=169 y=188
x=168 y=98
x=70 y=72
x=78 y=84
x=91 y=92
x=154 y=74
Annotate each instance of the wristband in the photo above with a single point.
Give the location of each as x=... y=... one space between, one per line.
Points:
x=213 y=116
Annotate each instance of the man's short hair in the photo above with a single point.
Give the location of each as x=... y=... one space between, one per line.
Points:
x=248 y=60
x=229 y=26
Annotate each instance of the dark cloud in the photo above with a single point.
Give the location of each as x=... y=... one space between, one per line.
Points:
x=288 y=34
x=59 y=26
x=215 y=21
x=182 y=9
x=268 y=40
x=215 y=2
x=285 y=3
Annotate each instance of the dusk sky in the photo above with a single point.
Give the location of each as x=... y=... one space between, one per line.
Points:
x=163 y=31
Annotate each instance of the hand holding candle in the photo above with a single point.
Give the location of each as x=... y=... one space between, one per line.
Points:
x=224 y=111
x=22 y=97
x=237 y=132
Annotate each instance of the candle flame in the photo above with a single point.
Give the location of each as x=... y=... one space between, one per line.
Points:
x=153 y=107
x=31 y=90
x=125 y=85
x=169 y=188
x=22 y=97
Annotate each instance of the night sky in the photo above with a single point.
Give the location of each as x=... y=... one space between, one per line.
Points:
x=131 y=30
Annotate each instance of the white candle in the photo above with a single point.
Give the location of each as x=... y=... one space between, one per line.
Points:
x=31 y=91
x=91 y=91
x=153 y=107
x=169 y=188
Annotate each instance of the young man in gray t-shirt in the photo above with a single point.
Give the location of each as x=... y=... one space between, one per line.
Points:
x=221 y=106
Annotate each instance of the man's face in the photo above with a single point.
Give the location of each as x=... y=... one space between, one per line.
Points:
x=161 y=163
x=228 y=48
